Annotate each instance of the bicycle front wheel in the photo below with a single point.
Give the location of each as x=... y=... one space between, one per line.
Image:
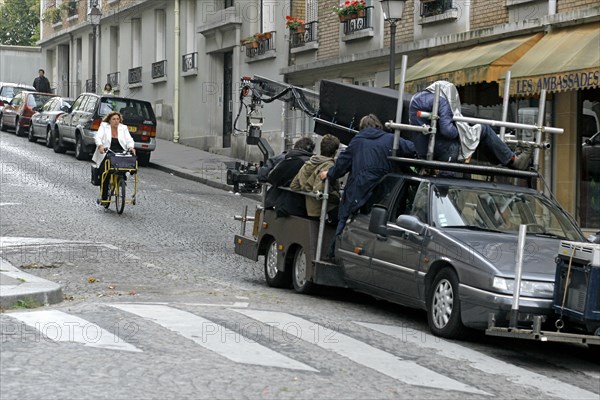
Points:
x=120 y=195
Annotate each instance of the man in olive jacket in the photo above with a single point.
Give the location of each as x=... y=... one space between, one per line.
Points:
x=308 y=179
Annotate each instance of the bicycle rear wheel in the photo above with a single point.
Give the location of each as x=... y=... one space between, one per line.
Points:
x=120 y=194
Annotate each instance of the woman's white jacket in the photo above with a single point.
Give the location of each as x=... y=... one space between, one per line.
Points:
x=104 y=137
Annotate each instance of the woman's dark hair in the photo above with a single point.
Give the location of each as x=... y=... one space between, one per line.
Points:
x=305 y=144
x=370 y=121
x=108 y=85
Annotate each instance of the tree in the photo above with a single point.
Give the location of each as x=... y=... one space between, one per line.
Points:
x=20 y=22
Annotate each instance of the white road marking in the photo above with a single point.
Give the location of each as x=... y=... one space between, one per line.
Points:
x=61 y=327
x=482 y=362
x=388 y=364
x=232 y=345
x=10 y=204
x=236 y=304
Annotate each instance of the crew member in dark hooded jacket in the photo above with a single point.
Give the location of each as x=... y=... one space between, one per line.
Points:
x=287 y=203
x=366 y=159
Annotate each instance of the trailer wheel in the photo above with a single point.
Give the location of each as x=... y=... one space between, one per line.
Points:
x=273 y=276
x=299 y=279
x=443 y=306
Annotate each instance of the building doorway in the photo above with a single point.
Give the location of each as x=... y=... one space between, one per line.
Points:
x=227 y=98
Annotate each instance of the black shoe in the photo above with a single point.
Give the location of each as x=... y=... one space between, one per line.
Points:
x=523 y=160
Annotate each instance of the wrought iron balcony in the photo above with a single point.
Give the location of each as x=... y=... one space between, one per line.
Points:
x=359 y=23
x=430 y=8
x=262 y=45
x=159 y=69
x=134 y=75
x=189 y=62
x=303 y=36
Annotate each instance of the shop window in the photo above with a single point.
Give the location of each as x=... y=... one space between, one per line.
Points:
x=589 y=161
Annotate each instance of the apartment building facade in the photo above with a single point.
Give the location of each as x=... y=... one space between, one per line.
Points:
x=187 y=56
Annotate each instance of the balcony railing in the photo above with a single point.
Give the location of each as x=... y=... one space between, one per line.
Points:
x=134 y=75
x=434 y=7
x=307 y=35
x=159 y=69
x=113 y=79
x=189 y=62
x=263 y=46
x=359 y=23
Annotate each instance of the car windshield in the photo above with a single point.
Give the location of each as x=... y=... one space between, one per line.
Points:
x=500 y=211
x=131 y=110
x=38 y=100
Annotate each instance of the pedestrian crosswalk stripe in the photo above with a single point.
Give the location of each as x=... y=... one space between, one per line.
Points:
x=388 y=364
x=61 y=327
x=482 y=362
x=235 y=346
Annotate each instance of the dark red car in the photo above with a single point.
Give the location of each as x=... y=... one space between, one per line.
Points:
x=18 y=112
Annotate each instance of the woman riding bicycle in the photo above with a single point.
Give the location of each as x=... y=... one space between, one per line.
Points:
x=112 y=135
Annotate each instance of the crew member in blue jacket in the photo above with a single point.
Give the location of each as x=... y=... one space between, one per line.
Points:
x=366 y=159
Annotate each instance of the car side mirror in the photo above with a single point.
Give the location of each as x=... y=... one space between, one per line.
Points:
x=66 y=109
x=378 y=221
x=411 y=223
x=1 y=103
x=588 y=142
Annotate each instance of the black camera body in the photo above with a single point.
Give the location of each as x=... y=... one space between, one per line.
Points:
x=243 y=177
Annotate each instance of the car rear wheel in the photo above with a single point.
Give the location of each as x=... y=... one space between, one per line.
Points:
x=80 y=152
x=299 y=278
x=2 y=127
x=30 y=136
x=57 y=144
x=49 y=139
x=273 y=276
x=143 y=158
x=443 y=306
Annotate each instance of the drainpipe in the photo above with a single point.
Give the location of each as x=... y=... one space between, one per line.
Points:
x=176 y=76
x=551 y=7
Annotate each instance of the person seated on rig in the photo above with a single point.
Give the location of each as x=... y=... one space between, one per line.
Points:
x=283 y=170
x=457 y=141
x=307 y=180
x=366 y=159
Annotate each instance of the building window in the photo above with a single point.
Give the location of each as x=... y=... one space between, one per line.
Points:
x=589 y=162
x=136 y=42
x=362 y=21
x=190 y=27
x=161 y=35
x=434 y=7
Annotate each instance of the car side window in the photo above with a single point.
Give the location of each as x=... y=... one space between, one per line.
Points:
x=77 y=103
x=90 y=106
x=49 y=106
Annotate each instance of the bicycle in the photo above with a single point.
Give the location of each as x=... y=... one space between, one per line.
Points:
x=116 y=166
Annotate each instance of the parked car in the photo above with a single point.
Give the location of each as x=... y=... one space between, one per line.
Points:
x=18 y=112
x=43 y=121
x=8 y=90
x=77 y=127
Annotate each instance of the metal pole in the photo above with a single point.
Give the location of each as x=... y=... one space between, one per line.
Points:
x=400 y=105
x=538 y=134
x=434 y=117
x=392 y=54
x=322 y=219
x=514 y=313
x=505 y=103
x=94 y=27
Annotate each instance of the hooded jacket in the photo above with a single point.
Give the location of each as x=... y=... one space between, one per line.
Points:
x=308 y=180
x=285 y=202
x=366 y=159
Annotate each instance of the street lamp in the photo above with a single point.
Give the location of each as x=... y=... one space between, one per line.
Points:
x=94 y=19
x=392 y=13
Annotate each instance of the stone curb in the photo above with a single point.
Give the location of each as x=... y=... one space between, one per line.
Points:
x=30 y=287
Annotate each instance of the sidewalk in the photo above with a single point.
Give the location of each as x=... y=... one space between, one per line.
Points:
x=179 y=160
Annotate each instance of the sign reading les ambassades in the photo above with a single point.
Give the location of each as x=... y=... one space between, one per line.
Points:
x=556 y=82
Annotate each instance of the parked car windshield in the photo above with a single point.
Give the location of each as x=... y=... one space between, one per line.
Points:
x=501 y=211
x=130 y=109
x=38 y=100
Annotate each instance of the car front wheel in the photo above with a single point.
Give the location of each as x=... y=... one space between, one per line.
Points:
x=30 y=135
x=443 y=306
x=80 y=152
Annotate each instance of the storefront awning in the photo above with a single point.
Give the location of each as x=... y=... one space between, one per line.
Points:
x=566 y=59
x=483 y=63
